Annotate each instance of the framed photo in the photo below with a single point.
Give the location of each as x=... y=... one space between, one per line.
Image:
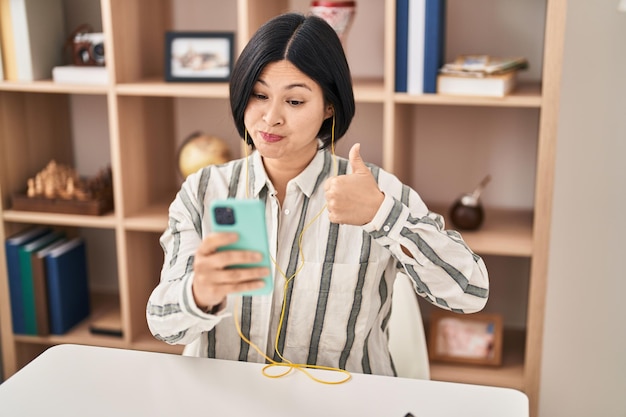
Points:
x=472 y=338
x=199 y=56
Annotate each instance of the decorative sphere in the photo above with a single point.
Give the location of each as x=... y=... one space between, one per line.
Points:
x=200 y=150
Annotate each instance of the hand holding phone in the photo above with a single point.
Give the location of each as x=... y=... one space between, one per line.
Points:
x=246 y=218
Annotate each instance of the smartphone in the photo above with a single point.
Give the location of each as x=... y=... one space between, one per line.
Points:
x=247 y=219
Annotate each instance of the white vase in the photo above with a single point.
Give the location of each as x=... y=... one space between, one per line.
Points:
x=338 y=14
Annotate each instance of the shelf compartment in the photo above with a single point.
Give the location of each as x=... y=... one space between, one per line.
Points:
x=147 y=150
x=34 y=129
x=80 y=334
x=510 y=374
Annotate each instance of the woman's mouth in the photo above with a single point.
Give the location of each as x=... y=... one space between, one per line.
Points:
x=269 y=137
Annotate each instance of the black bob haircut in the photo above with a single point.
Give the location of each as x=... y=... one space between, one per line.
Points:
x=312 y=46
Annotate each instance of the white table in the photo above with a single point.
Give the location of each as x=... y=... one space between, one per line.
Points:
x=72 y=380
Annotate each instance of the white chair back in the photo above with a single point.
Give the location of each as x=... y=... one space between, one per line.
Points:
x=407 y=341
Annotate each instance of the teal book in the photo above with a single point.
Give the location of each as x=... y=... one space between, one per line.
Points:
x=68 y=285
x=12 y=248
x=26 y=270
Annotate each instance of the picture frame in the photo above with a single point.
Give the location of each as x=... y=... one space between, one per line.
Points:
x=471 y=339
x=199 y=56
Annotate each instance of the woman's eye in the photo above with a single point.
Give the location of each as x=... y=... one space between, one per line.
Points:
x=294 y=102
x=259 y=96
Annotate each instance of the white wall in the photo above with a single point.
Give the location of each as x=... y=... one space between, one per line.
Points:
x=584 y=356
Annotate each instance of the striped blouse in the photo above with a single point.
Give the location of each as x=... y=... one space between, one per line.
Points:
x=338 y=305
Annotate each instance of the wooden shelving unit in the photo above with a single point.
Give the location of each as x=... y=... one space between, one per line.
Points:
x=142 y=120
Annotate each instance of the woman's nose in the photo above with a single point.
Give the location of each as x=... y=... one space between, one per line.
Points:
x=272 y=115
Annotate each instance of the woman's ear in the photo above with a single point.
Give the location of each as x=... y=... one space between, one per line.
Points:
x=330 y=111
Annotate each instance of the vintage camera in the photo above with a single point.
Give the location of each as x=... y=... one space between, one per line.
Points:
x=88 y=49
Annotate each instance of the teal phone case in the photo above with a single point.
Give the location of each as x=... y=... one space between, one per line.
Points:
x=248 y=218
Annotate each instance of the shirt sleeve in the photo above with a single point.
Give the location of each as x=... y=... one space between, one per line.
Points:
x=443 y=269
x=172 y=313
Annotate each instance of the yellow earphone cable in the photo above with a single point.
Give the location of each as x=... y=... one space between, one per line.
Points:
x=290 y=365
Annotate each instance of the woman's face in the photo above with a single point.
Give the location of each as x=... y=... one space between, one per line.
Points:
x=285 y=114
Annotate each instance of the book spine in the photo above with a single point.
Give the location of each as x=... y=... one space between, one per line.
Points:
x=28 y=294
x=22 y=40
x=8 y=43
x=417 y=17
x=13 y=247
x=15 y=287
x=40 y=294
x=68 y=289
x=434 y=42
x=402 y=35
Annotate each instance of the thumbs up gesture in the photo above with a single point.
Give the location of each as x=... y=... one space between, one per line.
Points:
x=353 y=198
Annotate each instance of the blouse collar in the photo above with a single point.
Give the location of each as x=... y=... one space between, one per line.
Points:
x=308 y=180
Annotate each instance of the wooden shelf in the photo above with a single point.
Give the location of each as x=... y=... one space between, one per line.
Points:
x=49 y=86
x=159 y=88
x=526 y=95
x=106 y=221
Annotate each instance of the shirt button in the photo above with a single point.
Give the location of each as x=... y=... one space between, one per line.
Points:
x=386 y=228
x=287 y=211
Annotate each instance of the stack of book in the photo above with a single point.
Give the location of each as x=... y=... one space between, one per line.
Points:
x=48 y=283
x=420 y=29
x=480 y=75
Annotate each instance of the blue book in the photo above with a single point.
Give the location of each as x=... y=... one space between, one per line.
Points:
x=68 y=287
x=12 y=246
x=26 y=270
x=402 y=45
x=434 y=43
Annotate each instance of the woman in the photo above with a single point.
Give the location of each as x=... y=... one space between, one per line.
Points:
x=340 y=230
